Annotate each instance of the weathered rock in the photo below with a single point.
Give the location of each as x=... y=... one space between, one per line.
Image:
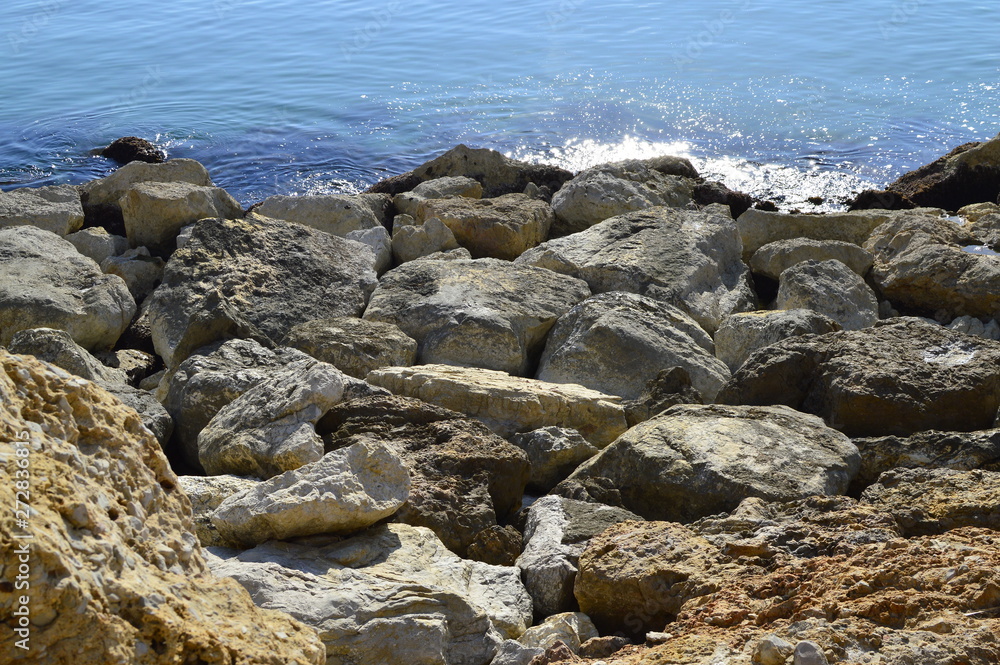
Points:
x=617 y=342
x=141 y=271
x=345 y=491
x=206 y=494
x=709 y=192
x=690 y=259
x=377 y=240
x=410 y=203
x=772 y=650
x=484 y=313
x=152 y=413
x=556 y=532
x=496 y=545
x=976 y=211
x=553 y=454
x=269 y=429
x=58 y=348
x=354 y=346
x=115 y=574
x=774 y=258
x=55 y=208
x=831 y=289
x=608 y=190
x=464 y=479
x=932 y=501
x=131 y=149
x=987 y=229
x=46 y=283
x=898 y=377
x=97 y=244
x=393 y=594
x=693 y=461
x=501 y=228
x=411 y=241
x=742 y=334
x=154 y=212
x=506 y=403
x=254 y=278
x=336 y=214
x=570 y=628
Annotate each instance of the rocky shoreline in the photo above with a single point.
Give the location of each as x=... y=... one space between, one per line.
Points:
x=495 y=412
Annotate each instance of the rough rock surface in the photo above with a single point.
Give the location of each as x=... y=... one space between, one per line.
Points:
x=553 y=454
x=141 y=271
x=829 y=288
x=132 y=148
x=501 y=228
x=742 y=334
x=570 y=628
x=690 y=259
x=155 y=212
x=115 y=573
x=898 y=377
x=482 y=313
x=412 y=241
x=206 y=494
x=509 y=404
x=255 y=278
x=393 y=594
x=97 y=244
x=354 y=346
x=46 y=283
x=448 y=187
x=336 y=214
x=464 y=479
x=774 y=258
x=347 y=490
x=617 y=342
x=693 y=461
x=55 y=208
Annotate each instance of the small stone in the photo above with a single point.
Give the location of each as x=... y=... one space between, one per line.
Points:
x=809 y=653
x=772 y=650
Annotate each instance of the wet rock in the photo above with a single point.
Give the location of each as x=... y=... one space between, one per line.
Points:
x=503 y=227
x=570 y=628
x=354 y=346
x=206 y=494
x=142 y=273
x=742 y=334
x=336 y=214
x=56 y=208
x=831 y=289
x=412 y=241
x=553 y=453
x=133 y=149
x=706 y=193
x=872 y=199
x=155 y=212
x=774 y=258
x=97 y=244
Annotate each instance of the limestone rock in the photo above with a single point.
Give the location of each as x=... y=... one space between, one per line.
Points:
x=693 y=461
x=496 y=545
x=206 y=494
x=830 y=288
x=898 y=377
x=410 y=203
x=742 y=334
x=115 y=572
x=484 y=313
x=774 y=258
x=347 y=490
x=56 y=208
x=553 y=454
x=153 y=415
x=46 y=283
x=354 y=346
x=336 y=214
x=617 y=342
x=141 y=271
x=97 y=244
x=570 y=628
x=411 y=241
x=509 y=404
x=501 y=228
x=377 y=240
x=690 y=259
x=58 y=348
x=269 y=429
x=976 y=211
x=254 y=278
x=155 y=212
x=987 y=229
x=512 y=652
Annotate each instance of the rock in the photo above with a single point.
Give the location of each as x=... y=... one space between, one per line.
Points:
x=808 y=653
x=55 y=208
x=617 y=342
x=602 y=647
x=206 y=494
x=933 y=501
x=97 y=244
x=152 y=413
x=131 y=149
x=46 y=283
x=570 y=628
x=255 y=278
x=379 y=242
x=556 y=532
x=829 y=288
x=670 y=388
x=512 y=652
x=553 y=454
x=115 y=574
x=772 y=650
x=58 y=348
x=484 y=313
x=557 y=653
x=142 y=273
x=774 y=258
x=354 y=346
x=411 y=242
x=987 y=229
x=496 y=545
x=692 y=461
x=336 y=214
x=706 y=193
x=393 y=594
x=410 y=203
x=742 y=334
x=509 y=404
x=898 y=377
x=155 y=212
x=976 y=211
x=609 y=190
x=345 y=491
x=975 y=327
x=690 y=259
x=501 y=228
x=269 y=428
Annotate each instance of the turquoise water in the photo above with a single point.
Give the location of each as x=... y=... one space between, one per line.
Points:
x=791 y=99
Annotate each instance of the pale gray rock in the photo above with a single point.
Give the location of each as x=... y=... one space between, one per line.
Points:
x=377 y=239
x=153 y=415
x=206 y=494
x=141 y=271
x=97 y=244
x=617 y=342
x=345 y=491
x=809 y=653
x=691 y=259
x=412 y=241
x=354 y=346
x=774 y=258
x=46 y=283
x=108 y=191
x=512 y=652
x=553 y=454
x=409 y=203
x=55 y=208
x=336 y=214
x=742 y=334
x=970 y=325
x=570 y=628
x=829 y=288
x=772 y=650
x=155 y=212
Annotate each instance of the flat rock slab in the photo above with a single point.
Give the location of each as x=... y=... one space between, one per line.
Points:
x=56 y=208
x=509 y=404
x=899 y=377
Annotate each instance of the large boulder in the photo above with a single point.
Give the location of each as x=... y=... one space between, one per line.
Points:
x=553 y=454
x=412 y=203
x=483 y=313
x=413 y=241
x=742 y=334
x=46 y=283
x=354 y=346
x=255 y=278
x=155 y=212
x=393 y=594
x=774 y=258
x=56 y=208
x=337 y=214
x=829 y=288
x=502 y=228
x=141 y=271
x=617 y=342
x=509 y=404
x=206 y=494
x=899 y=377
x=691 y=259
x=464 y=478
x=96 y=243
x=693 y=460
x=111 y=571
